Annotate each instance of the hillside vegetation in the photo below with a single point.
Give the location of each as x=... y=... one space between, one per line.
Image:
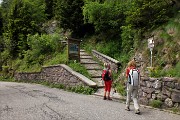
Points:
x=31 y=32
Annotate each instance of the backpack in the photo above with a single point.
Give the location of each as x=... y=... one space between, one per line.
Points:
x=105 y=75
x=133 y=77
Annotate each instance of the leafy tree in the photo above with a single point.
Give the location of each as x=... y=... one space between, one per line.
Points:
x=49 y=9
x=142 y=16
x=107 y=17
x=1 y=21
x=148 y=14
x=5 y=5
x=24 y=17
x=69 y=14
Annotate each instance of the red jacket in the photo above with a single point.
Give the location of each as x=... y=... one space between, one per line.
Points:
x=128 y=70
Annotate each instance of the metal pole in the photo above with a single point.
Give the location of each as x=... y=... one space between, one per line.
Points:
x=151 y=58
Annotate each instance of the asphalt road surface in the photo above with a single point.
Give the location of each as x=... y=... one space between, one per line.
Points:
x=21 y=101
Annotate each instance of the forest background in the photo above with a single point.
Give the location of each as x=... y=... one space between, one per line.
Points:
x=32 y=31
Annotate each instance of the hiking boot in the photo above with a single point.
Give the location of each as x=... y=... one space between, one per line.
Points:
x=109 y=98
x=137 y=111
x=127 y=108
x=104 y=98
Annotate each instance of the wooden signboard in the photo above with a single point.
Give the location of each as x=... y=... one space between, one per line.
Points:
x=74 y=49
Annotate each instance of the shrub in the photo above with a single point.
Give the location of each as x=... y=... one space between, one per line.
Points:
x=120 y=88
x=156 y=103
x=79 y=68
x=82 y=89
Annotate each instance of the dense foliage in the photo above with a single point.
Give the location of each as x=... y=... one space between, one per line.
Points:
x=123 y=24
x=69 y=14
x=23 y=18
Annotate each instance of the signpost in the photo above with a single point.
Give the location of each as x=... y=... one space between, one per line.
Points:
x=73 y=49
x=151 y=46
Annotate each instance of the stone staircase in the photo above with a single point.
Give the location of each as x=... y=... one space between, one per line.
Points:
x=93 y=68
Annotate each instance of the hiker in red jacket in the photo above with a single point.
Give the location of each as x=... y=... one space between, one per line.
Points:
x=132 y=75
x=107 y=78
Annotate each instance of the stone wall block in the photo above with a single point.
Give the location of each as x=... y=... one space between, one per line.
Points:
x=140 y=92
x=149 y=96
x=143 y=100
x=153 y=79
x=168 y=102
x=154 y=96
x=157 y=91
x=157 y=84
x=177 y=86
x=176 y=105
x=148 y=84
x=148 y=90
x=175 y=96
x=143 y=83
x=168 y=79
x=144 y=94
x=166 y=91
x=145 y=79
x=161 y=97
x=170 y=84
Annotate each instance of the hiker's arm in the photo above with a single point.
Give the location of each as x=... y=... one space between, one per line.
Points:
x=127 y=72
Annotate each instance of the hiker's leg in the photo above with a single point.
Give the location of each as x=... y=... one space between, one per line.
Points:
x=128 y=98
x=134 y=96
x=109 y=89
x=105 y=90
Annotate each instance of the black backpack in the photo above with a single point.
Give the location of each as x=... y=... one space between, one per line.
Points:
x=106 y=76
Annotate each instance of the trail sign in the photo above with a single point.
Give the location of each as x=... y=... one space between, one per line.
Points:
x=73 y=49
x=151 y=46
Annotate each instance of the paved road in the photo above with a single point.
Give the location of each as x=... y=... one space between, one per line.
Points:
x=20 y=101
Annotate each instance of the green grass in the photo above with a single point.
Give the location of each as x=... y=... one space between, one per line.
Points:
x=82 y=89
x=156 y=103
x=175 y=110
x=76 y=66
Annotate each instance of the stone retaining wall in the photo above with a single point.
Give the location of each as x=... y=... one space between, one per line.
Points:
x=165 y=89
x=61 y=74
x=103 y=58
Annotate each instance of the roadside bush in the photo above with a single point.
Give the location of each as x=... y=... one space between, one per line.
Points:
x=156 y=103
x=82 y=89
x=42 y=48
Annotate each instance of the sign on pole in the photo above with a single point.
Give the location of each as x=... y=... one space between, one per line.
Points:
x=151 y=46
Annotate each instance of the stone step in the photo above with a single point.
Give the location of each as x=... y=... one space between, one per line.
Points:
x=99 y=82
x=95 y=73
x=98 y=76
x=81 y=50
x=84 y=54
x=93 y=67
x=86 y=57
x=88 y=61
